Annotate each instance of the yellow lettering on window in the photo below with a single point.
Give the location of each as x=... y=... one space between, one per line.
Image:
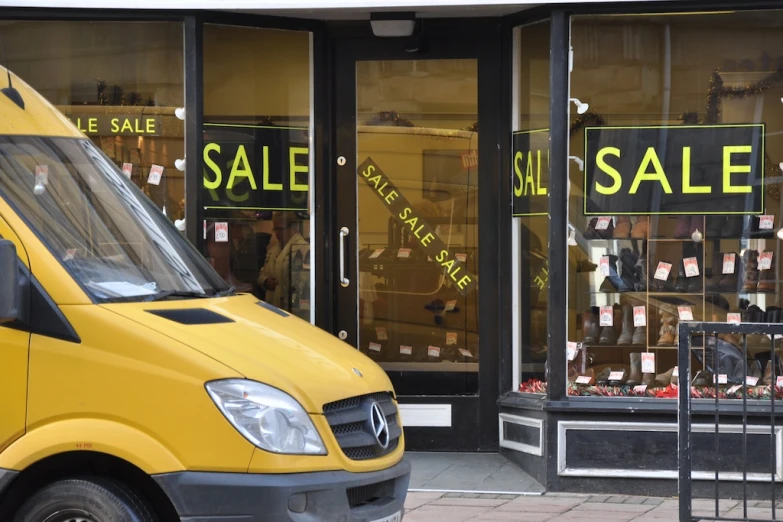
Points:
x=600 y=162
x=211 y=165
x=241 y=169
x=729 y=169
x=650 y=158
x=295 y=169
x=687 y=188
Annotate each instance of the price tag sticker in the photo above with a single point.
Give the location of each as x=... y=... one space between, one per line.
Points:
x=603 y=265
x=779 y=381
x=466 y=353
x=433 y=351
x=639 y=316
x=728 y=263
x=583 y=379
x=765 y=260
x=451 y=338
x=691 y=266
x=380 y=333
x=733 y=318
x=722 y=379
x=304 y=304
x=641 y=388
x=376 y=253
x=406 y=350
x=221 y=232
x=603 y=222
x=127 y=169
x=451 y=305
x=571 y=350
x=461 y=257
x=616 y=376
x=404 y=253
x=663 y=270
x=42 y=174
x=751 y=381
x=375 y=347
x=734 y=388
x=766 y=222
x=685 y=312
x=648 y=362
x=676 y=372
x=607 y=316
x=69 y=254
x=156 y=174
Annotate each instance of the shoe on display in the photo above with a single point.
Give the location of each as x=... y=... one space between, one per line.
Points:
x=729 y=282
x=682 y=284
x=664 y=379
x=642 y=228
x=628 y=273
x=681 y=231
x=635 y=376
x=626 y=335
x=715 y=227
x=716 y=274
x=668 y=331
x=703 y=378
x=657 y=285
x=639 y=336
x=591 y=232
x=608 y=336
x=591 y=325
x=733 y=227
x=623 y=228
x=613 y=282
x=768 y=279
x=589 y=373
x=603 y=377
x=750 y=271
x=622 y=380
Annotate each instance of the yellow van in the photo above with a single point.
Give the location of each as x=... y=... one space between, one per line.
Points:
x=136 y=386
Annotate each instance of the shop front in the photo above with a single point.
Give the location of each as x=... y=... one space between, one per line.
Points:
x=521 y=290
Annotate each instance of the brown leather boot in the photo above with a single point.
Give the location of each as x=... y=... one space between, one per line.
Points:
x=767 y=279
x=667 y=332
x=642 y=228
x=590 y=327
x=750 y=271
x=635 y=377
x=663 y=379
x=623 y=228
x=626 y=335
x=715 y=275
x=648 y=379
x=728 y=282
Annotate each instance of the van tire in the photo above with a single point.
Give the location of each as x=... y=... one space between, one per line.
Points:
x=90 y=499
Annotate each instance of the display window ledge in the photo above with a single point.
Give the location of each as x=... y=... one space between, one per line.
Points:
x=538 y=402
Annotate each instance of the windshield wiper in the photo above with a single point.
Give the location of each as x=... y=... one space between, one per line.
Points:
x=174 y=293
x=225 y=293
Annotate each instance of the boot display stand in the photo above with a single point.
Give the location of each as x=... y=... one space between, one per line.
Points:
x=642 y=274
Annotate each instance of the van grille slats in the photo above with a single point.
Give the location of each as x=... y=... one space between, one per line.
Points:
x=350 y=422
x=377 y=494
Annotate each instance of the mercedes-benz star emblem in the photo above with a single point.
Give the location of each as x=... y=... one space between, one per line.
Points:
x=380 y=427
x=357 y=372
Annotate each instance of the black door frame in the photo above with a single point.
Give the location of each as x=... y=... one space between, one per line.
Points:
x=474 y=418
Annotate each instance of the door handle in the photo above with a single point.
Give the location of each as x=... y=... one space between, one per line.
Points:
x=343 y=280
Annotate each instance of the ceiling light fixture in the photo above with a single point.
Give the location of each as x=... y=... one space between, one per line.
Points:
x=393 y=24
x=581 y=108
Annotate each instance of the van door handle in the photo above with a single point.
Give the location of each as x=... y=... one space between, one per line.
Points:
x=343 y=280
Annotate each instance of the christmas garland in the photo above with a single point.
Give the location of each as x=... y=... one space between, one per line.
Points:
x=389 y=119
x=587 y=118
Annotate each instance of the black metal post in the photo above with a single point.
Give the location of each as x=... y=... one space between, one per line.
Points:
x=194 y=136
x=684 y=420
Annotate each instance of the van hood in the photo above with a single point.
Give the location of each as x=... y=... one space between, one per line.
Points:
x=264 y=344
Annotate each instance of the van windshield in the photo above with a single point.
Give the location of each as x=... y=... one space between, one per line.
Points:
x=113 y=240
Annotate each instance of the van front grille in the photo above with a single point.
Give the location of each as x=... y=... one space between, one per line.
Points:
x=354 y=428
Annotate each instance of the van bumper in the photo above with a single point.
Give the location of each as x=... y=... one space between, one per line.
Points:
x=338 y=496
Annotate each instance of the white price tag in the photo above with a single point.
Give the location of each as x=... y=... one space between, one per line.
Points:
x=765 y=260
x=662 y=272
x=127 y=169
x=639 y=316
x=377 y=252
x=603 y=223
x=42 y=174
x=156 y=173
x=779 y=380
x=734 y=388
x=451 y=305
x=583 y=379
x=767 y=222
x=751 y=381
x=607 y=316
x=616 y=376
x=691 y=266
x=205 y=229
x=433 y=351
x=69 y=254
x=641 y=388
x=380 y=333
x=685 y=312
x=733 y=318
x=451 y=338
x=461 y=257
x=728 y=263
x=221 y=232
x=304 y=305
x=466 y=353
x=648 y=362
x=571 y=350
x=406 y=350
x=603 y=265
x=722 y=379
x=404 y=253
x=676 y=372
x=375 y=347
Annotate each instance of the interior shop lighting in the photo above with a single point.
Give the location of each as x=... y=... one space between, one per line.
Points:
x=179 y=164
x=780 y=233
x=571 y=236
x=179 y=112
x=579 y=162
x=393 y=24
x=581 y=107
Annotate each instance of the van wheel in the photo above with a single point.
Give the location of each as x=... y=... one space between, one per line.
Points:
x=84 y=500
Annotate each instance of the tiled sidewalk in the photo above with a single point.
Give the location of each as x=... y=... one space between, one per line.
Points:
x=452 y=507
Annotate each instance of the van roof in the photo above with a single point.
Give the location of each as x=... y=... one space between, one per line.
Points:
x=38 y=118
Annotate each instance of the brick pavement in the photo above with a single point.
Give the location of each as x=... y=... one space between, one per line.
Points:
x=458 y=507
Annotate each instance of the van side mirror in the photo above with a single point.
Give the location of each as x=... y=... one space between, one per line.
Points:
x=9 y=282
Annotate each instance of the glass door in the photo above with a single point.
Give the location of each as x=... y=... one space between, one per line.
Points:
x=408 y=236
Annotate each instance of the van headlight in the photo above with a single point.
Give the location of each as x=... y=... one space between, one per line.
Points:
x=269 y=418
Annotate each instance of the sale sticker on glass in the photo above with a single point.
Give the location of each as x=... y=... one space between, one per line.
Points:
x=571 y=350
x=465 y=353
x=648 y=362
x=221 y=232
x=156 y=173
x=405 y=350
x=451 y=338
x=617 y=376
x=433 y=351
x=404 y=253
x=663 y=270
x=607 y=316
x=461 y=257
x=729 y=262
x=380 y=333
x=765 y=260
x=603 y=223
x=766 y=222
x=42 y=174
x=375 y=347
x=603 y=265
x=127 y=169
x=733 y=318
x=722 y=379
x=685 y=313
x=377 y=252
x=691 y=267
x=584 y=379
x=451 y=305
x=639 y=316
x=751 y=381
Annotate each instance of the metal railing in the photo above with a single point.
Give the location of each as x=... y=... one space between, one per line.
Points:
x=710 y=333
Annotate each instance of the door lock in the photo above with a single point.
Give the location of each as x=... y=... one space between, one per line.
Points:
x=343 y=335
x=341 y=161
